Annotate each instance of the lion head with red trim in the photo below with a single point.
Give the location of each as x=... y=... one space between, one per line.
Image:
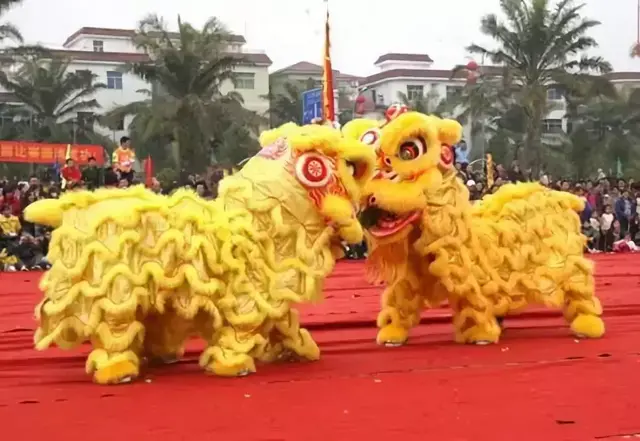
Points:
x=329 y=171
x=414 y=153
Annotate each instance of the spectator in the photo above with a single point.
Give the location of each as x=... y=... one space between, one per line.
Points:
x=625 y=209
x=9 y=231
x=606 y=226
x=201 y=190
x=588 y=209
x=71 y=174
x=461 y=168
x=92 y=175
x=462 y=153
x=30 y=254
x=11 y=198
x=592 y=235
x=515 y=174
x=594 y=196
x=110 y=177
x=123 y=160
x=625 y=245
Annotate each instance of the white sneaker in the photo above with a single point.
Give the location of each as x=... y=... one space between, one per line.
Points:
x=10 y=268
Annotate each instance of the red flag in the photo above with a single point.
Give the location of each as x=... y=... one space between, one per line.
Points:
x=328 y=103
x=148 y=172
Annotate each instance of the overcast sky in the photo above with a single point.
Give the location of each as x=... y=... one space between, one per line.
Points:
x=292 y=30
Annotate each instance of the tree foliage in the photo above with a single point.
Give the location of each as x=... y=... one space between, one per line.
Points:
x=51 y=99
x=542 y=45
x=187 y=113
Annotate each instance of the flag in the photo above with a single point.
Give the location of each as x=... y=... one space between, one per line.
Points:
x=490 y=177
x=148 y=172
x=67 y=156
x=328 y=103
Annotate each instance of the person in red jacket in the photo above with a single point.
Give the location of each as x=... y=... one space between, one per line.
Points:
x=71 y=173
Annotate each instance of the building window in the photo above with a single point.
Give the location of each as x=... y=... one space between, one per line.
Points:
x=114 y=80
x=552 y=126
x=245 y=81
x=415 y=92
x=453 y=91
x=554 y=94
x=98 y=46
x=380 y=99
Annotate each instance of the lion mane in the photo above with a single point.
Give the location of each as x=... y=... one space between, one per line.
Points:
x=520 y=246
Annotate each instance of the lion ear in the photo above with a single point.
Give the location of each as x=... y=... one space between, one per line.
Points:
x=449 y=132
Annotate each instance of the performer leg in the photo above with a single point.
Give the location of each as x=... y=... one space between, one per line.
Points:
x=117 y=344
x=401 y=307
x=474 y=322
x=230 y=352
x=165 y=336
x=582 y=308
x=294 y=338
x=231 y=346
x=119 y=338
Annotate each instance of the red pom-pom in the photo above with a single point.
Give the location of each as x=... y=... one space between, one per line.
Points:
x=395 y=110
x=446 y=155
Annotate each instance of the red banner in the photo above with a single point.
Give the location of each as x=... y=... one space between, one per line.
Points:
x=40 y=153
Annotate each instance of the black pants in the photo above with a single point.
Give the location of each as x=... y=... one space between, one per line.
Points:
x=606 y=240
x=127 y=175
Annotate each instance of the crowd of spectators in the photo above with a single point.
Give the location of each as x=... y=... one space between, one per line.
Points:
x=610 y=220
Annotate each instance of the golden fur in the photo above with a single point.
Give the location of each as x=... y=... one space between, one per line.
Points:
x=137 y=273
x=519 y=246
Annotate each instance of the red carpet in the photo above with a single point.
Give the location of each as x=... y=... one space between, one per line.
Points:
x=537 y=384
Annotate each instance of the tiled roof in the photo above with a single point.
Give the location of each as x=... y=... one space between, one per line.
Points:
x=613 y=76
x=424 y=58
x=304 y=67
x=130 y=57
x=111 y=32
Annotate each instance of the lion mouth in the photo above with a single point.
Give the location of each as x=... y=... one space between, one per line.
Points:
x=382 y=223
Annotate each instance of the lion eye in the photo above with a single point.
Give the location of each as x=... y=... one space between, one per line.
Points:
x=371 y=137
x=411 y=149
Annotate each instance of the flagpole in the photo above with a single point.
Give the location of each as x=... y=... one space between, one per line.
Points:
x=328 y=99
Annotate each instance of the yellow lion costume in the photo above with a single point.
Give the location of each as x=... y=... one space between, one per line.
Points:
x=520 y=246
x=137 y=273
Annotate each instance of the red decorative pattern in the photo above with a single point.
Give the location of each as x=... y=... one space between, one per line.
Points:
x=317 y=194
x=395 y=110
x=275 y=150
x=446 y=155
x=314 y=169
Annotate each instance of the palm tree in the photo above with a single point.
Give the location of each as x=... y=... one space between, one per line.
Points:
x=7 y=30
x=489 y=108
x=542 y=46
x=56 y=105
x=188 y=109
x=607 y=130
x=285 y=106
x=429 y=103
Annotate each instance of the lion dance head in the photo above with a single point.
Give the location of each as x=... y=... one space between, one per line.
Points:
x=414 y=156
x=323 y=172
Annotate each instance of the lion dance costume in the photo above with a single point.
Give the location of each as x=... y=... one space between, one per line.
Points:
x=137 y=273
x=517 y=247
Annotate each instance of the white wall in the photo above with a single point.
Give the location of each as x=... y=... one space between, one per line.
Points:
x=109 y=44
x=253 y=98
x=131 y=84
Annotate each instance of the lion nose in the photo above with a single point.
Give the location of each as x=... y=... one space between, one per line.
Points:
x=371 y=202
